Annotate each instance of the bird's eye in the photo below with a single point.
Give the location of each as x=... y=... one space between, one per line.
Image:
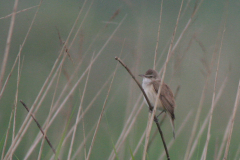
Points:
x=150 y=76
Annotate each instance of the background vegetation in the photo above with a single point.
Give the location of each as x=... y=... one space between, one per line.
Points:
x=61 y=59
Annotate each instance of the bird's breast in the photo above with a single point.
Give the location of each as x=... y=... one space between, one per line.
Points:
x=151 y=94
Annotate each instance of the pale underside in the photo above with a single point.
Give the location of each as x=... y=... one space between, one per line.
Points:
x=150 y=92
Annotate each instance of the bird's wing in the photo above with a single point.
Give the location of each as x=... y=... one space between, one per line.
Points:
x=166 y=97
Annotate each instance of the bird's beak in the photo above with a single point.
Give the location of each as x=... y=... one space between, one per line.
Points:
x=141 y=75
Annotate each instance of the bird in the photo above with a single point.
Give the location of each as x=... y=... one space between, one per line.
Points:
x=165 y=101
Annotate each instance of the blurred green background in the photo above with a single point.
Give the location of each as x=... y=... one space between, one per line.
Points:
x=136 y=39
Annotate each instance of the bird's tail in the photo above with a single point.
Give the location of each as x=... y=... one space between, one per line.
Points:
x=172 y=124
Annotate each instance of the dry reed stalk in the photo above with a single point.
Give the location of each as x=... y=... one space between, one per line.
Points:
x=74 y=157
x=159 y=26
x=132 y=98
x=100 y=117
x=227 y=128
x=193 y=133
x=40 y=128
x=79 y=80
x=232 y=122
x=130 y=112
x=204 y=155
x=83 y=113
x=200 y=132
x=48 y=122
x=84 y=138
x=180 y=129
x=7 y=134
x=150 y=122
x=8 y=43
x=79 y=111
x=206 y=119
x=8 y=77
x=139 y=144
x=20 y=50
x=187 y=25
x=99 y=33
x=14 y=108
x=15 y=103
x=67 y=85
x=50 y=112
x=60 y=106
x=64 y=47
x=160 y=57
x=80 y=26
x=23 y=10
x=83 y=125
x=44 y=94
x=185 y=8
x=224 y=140
x=56 y=104
x=176 y=44
x=27 y=119
x=126 y=130
x=126 y=126
x=216 y=149
x=132 y=90
x=13 y=143
x=237 y=154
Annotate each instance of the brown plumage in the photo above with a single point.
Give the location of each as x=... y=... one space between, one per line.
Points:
x=166 y=97
x=166 y=102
